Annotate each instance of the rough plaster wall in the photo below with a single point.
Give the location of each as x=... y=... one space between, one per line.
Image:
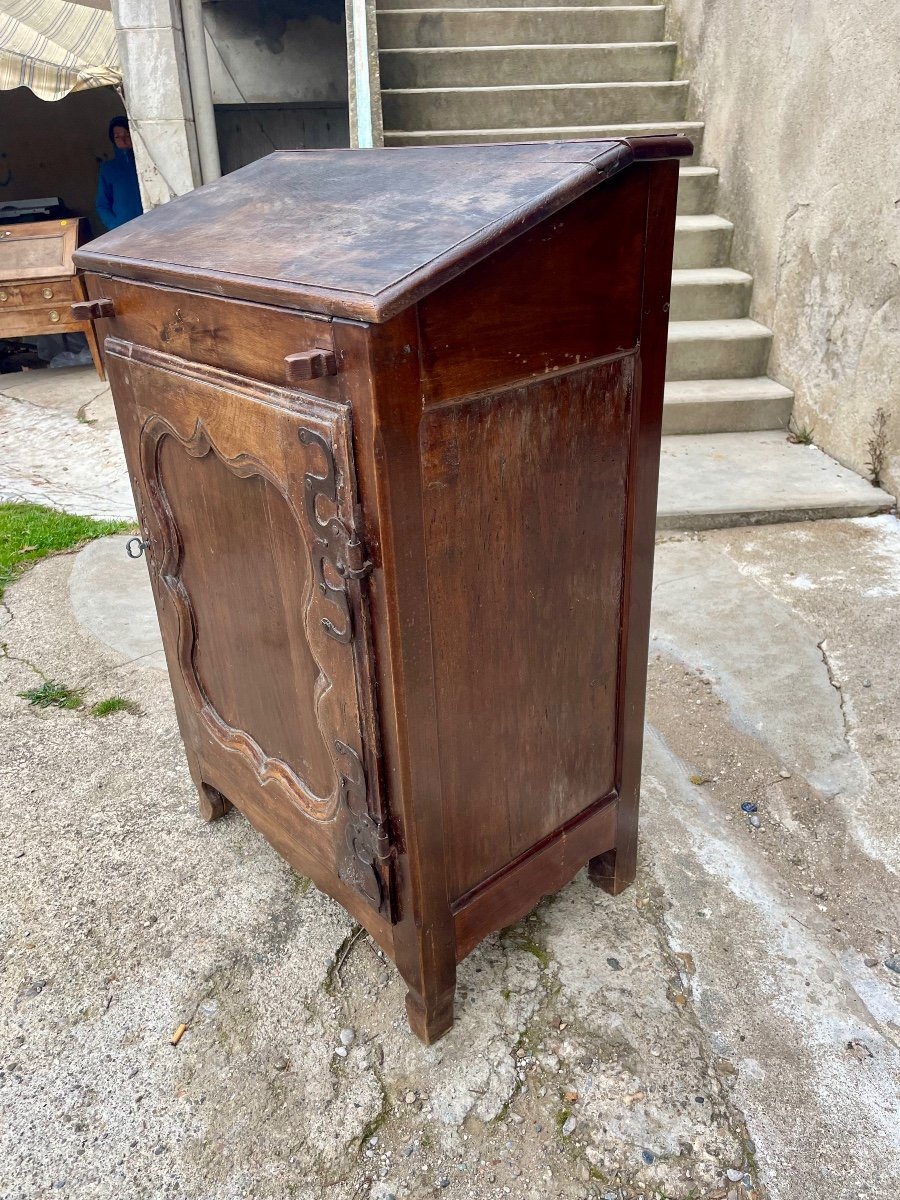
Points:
x=55 y=148
x=277 y=51
x=801 y=110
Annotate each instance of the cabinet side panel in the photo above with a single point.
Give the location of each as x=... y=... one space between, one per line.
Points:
x=524 y=498
x=562 y=294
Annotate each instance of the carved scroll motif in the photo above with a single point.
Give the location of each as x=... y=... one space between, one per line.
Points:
x=367 y=842
x=335 y=544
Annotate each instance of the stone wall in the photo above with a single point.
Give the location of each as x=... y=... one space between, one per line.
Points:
x=158 y=97
x=800 y=104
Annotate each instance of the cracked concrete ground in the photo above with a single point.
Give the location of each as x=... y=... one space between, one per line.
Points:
x=729 y=1027
x=60 y=445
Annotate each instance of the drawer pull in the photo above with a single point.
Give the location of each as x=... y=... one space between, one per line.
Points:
x=53 y=316
x=3 y=296
x=91 y=310
x=47 y=293
x=310 y=364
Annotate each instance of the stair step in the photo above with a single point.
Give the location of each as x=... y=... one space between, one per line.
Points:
x=720 y=480
x=697 y=188
x=544 y=104
x=455 y=137
x=431 y=4
x=519 y=26
x=717 y=349
x=709 y=294
x=702 y=241
x=725 y=405
x=474 y=66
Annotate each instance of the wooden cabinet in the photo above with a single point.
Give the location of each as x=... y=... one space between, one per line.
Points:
x=38 y=282
x=392 y=420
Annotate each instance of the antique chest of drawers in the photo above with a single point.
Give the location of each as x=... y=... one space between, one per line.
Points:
x=38 y=281
x=392 y=420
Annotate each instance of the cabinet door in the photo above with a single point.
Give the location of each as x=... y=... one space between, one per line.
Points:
x=246 y=498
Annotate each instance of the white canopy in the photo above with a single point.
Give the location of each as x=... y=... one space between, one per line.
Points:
x=55 y=47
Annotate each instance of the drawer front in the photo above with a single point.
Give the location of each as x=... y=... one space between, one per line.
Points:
x=54 y=292
x=10 y=296
x=249 y=339
x=50 y=317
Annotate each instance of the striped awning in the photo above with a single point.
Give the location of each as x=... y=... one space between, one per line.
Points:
x=55 y=47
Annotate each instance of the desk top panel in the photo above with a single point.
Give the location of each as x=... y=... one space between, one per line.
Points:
x=359 y=233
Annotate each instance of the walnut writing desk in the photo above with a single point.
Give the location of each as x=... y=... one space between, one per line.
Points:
x=392 y=419
x=38 y=281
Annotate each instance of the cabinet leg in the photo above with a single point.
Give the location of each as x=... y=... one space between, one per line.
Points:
x=213 y=805
x=429 y=1018
x=613 y=871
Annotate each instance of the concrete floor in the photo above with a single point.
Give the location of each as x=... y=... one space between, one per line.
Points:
x=729 y=1027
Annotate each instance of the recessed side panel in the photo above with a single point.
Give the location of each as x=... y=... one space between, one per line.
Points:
x=524 y=496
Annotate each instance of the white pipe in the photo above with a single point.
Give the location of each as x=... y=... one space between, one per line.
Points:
x=201 y=89
x=363 y=90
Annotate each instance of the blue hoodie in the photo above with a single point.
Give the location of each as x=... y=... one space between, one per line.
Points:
x=118 y=194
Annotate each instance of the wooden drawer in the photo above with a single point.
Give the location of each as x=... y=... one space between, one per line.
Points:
x=10 y=296
x=55 y=291
x=248 y=339
x=50 y=317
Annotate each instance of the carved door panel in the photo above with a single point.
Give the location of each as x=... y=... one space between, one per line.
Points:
x=246 y=498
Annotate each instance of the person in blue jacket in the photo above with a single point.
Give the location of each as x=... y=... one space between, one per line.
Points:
x=118 y=194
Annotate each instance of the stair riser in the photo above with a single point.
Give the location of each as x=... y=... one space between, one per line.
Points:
x=697 y=194
x=710 y=302
x=726 y=416
x=480 y=108
x=715 y=358
x=519 y=27
x=702 y=248
x=406 y=4
x=527 y=64
x=457 y=137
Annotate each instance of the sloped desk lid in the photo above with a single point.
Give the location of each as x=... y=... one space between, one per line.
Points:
x=358 y=233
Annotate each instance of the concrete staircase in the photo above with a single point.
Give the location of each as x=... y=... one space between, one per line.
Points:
x=529 y=70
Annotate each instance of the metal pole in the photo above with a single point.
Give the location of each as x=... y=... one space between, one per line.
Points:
x=359 y=17
x=201 y=91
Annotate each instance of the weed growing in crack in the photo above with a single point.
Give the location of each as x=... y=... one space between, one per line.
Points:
x=800 y=435
x=52 y=694
x=114 y=704
x=877 y=446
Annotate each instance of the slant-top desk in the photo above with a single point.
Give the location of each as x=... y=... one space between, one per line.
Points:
x=392 y=419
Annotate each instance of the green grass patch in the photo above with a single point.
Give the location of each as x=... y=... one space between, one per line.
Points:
x=29 y=532
x=113 y=704
x=52 y=694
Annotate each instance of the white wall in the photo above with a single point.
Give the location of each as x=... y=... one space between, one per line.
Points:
x=803 y=120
